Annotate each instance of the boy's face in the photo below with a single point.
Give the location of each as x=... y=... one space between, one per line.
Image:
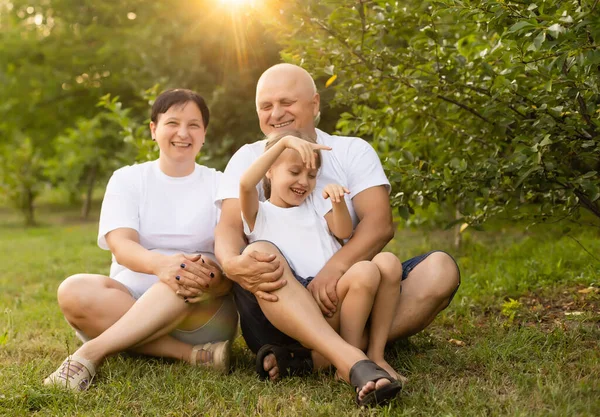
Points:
x=291 y=180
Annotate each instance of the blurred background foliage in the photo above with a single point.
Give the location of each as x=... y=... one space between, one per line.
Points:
x=478 y=109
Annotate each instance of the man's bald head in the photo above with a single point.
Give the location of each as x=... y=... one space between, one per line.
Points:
x=287 y=98
x=290 y=72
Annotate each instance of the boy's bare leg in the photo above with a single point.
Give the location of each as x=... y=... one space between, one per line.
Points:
x=384 y=308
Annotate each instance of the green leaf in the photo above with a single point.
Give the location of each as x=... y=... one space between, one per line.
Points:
x=519 y=26
x=555 y=30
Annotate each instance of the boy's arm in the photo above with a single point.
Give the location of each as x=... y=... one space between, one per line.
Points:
x=338 y=219
x=250 y=179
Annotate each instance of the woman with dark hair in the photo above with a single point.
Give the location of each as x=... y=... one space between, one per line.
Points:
x=165 y=295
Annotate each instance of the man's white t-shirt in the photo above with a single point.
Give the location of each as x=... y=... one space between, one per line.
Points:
x=352 y=163
x=170 y=214
x=299 y=232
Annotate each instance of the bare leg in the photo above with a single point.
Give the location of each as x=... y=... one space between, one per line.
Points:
x=384 y=308
x=356 y=291
x=297 y=315
x=425 y=293
x=93 y=303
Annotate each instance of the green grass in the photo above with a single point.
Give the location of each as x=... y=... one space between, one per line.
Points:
x=536 y=356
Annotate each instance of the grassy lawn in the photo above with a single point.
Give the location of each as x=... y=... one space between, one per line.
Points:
x=522 y=337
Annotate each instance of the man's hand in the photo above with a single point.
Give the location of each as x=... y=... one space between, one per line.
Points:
x=258 y=272
x=323 y=289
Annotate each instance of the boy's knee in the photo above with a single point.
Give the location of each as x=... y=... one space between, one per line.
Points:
x=390 y=267
x=365 y=277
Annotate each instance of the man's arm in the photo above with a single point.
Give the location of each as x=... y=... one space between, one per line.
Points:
x=256 y=272
x=375 y=229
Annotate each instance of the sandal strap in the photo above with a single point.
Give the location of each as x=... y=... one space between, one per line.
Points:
x=291 y=360
x=195 y=349
x=366 y=371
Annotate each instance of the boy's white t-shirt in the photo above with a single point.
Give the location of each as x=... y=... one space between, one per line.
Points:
x=352 y=163
x=299 y=232
x=170 y=214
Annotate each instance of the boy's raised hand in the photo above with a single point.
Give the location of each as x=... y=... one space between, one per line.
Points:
x=305 y=149
x=335 y=192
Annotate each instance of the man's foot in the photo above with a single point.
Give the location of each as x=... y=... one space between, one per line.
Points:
x=275 y=362
x=270 y=367
x=388 y=368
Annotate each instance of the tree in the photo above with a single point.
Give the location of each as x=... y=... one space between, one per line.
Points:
x=59 y=58
x=487 y=106
x=21 y=174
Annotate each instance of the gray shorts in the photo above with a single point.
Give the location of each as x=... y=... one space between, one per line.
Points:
x=222 y=326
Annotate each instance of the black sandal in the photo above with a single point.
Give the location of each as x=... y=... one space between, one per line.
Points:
x=365 y=371
x=291 y=360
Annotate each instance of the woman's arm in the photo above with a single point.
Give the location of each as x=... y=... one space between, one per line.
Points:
x=338 y=219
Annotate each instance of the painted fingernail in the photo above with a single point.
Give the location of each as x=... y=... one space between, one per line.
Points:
x=212 y=275
x=202 y=260
x=177 y=277
x=186 y=300
x=182 y=265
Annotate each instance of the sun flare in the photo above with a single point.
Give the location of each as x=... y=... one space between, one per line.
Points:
x=237 y=3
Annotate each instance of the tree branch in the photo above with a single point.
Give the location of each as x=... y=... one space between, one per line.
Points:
x=587 y=203
x=583 y=247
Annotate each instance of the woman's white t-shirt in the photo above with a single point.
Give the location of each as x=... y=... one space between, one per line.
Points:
x=170 y=214
x=300 y=233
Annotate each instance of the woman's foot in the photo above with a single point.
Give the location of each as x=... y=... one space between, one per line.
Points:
x=213 y=355
x=75 y=373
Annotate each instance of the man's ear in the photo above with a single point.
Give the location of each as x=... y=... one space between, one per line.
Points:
x=316 y=104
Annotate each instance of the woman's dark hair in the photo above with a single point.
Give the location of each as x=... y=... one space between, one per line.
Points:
x=276 y=137
x=178 y=96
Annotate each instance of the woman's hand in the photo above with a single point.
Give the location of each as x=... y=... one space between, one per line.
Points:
x=213 y=271
x=184 y=275
x=307 y=150
x=335 y=192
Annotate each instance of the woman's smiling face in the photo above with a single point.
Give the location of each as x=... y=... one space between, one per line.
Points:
x=179 y=132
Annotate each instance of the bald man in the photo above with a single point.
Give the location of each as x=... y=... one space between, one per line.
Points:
x=286 y=98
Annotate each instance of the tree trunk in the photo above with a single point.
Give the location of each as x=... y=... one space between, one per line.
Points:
x=91 y=181
x=27 y=208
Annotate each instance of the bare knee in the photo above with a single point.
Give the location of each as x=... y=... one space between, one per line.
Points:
x=390 y=267
x=364 y=277
x=442 y=277
x=262 y=246
x=77 y=294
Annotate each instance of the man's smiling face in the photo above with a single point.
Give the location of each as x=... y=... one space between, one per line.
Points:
x=286 y=99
